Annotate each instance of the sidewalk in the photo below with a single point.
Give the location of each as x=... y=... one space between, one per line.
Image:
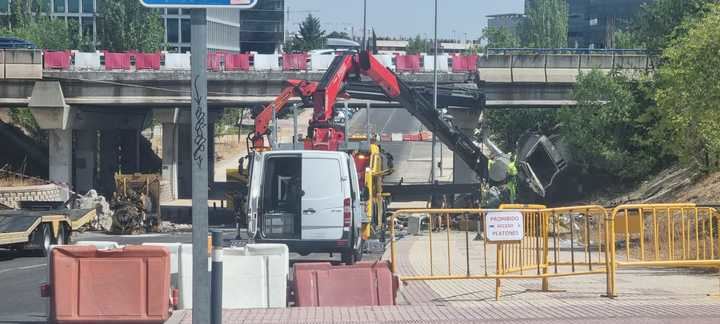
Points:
x=645 y=296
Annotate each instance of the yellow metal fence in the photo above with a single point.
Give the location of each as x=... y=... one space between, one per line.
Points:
x=570 y=241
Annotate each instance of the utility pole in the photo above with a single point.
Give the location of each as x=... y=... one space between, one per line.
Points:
x=435 y=90
x=364 y=39
x=200 y=142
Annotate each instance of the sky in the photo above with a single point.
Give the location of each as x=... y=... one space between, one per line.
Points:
x=458 y=19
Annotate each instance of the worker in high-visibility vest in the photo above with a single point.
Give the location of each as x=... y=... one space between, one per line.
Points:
x=512 y=180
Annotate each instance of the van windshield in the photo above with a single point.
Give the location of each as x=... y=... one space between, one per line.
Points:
x=321 y=178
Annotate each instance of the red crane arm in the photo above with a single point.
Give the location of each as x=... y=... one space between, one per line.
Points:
x=295 y=88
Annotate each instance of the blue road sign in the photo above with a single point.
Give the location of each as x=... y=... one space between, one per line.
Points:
x=239 y=4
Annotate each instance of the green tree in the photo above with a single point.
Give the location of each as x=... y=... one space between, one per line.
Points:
x=127 y=25
x=546 y=25
x=611 y=127
x=501 y=38
x=689 y=91
x=626 y=39
x=418 y=45
x=311 y=35
x=29 y=21
x=336 y=34
x=661 y=21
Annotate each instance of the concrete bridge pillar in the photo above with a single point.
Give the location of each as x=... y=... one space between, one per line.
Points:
x=467 y=121
x=169 y=188
x=60 y=146
x=85 y=159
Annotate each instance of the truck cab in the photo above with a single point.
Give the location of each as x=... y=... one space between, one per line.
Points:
x=308 y=200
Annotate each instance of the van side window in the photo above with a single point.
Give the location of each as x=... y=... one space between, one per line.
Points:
x=321 y=178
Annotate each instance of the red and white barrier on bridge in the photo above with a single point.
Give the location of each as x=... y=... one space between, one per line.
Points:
x=221 y=61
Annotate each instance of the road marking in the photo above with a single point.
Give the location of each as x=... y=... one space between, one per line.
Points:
x=24 y=268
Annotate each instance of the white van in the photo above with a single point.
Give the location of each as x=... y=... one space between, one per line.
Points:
x=309 y=200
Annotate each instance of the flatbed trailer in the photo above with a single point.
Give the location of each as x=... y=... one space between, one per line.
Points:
x=36 y=230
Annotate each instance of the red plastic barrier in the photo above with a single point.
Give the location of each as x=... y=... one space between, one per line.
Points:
x=237 y=62
x=294 y=62
x=385 y=137
x=213 y=61
x=362 y=284
x=129 y=285
x=407 y=63
x=57 y=60
x=464 y=63
x=426 y=136
x=147 y=61
x=117 y=61
x=412 y=137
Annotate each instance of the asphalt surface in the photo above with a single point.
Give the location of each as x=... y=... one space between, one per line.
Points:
x=412 y=159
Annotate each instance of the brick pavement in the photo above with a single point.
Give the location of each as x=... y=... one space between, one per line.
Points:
x=644 y=296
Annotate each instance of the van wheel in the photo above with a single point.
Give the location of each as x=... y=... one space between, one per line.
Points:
x=348 y=257
x=42 y=240
x=360 y=251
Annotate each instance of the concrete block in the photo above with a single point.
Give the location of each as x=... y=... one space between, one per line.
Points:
x=87 y=61
x=528 y=61
x=494 y=61
x=495 y=74
x=386 y=60
x=177 y=61
x=528 y=75
x=562 y=75
x=443 y=63
x=559 y=61
x=255 y=279
x=319 y=62
x=602 y=62
x=631 y=62
x=267 y=62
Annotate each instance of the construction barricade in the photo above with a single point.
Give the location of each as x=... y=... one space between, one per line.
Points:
x=128 y=285
x=117 y=61
x=464 y=63
x=237 y=62
x=407 y=63
x=87 y=61
x=266 y=62
x=361 y=284
x=57 y=60
x=214 y=60
x=518 y=244
x=147 y=61
x=663 y=235
x=295 y=62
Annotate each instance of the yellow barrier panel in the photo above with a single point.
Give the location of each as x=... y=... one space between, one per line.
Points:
x=663 y=235
x=546 y=232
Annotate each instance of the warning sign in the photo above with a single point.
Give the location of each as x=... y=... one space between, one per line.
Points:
x=504 y=226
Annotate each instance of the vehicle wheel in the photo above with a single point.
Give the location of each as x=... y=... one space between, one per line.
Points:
x=63 y=236
x=42 y=240
x=360 y=251
x=348 y=257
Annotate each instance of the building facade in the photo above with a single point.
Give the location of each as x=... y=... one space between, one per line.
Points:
x=262 y=29
x=223 y=24
x=592 y=23
x=505 y=21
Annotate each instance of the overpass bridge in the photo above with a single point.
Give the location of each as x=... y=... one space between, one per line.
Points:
x=91 y=105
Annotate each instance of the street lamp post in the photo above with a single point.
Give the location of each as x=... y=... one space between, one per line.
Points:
x=435 y=90
x=364 y=39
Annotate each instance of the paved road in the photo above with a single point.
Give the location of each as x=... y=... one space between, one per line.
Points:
x=412 y=159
